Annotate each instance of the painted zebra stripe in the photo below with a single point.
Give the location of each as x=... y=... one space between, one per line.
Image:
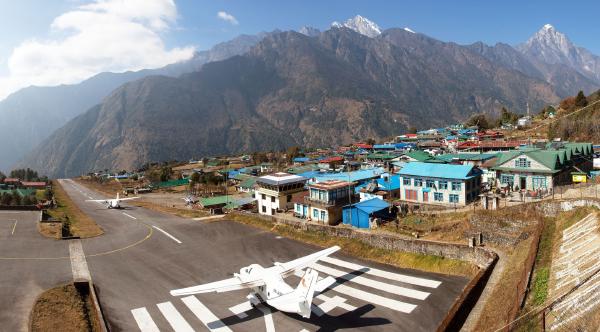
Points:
x=143 y=320
x=383 y=274
x=177 y=322
x=207 y=318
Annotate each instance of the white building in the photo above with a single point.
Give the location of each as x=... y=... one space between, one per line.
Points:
x=274 y=192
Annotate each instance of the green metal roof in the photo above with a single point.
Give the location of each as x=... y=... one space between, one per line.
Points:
x=554 y=159
x=419 y=155
x=466 y=156
x=248 y=183
x=385 y=156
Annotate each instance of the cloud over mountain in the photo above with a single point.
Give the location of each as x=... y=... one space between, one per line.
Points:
x=105 y=35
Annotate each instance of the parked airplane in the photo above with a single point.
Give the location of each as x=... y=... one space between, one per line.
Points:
x=112 y=203
x=190 y=200
x=267 y=284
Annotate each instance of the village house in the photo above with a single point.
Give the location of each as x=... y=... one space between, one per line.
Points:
x=274 y=192
x=542 y=168
x=324 y=201
x=386 y=187
x=444 y=184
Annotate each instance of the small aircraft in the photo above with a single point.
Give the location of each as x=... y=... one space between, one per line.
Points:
x=112 y=203
x=267 y=284
x=190 y=200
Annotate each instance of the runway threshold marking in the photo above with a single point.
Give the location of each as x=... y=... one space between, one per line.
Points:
x=175 y=319
x=402 y=291
x=212 y=322
x=384 y=274
x=269 y=324
x=144 y=320
x=130 y=216
x=167 y=234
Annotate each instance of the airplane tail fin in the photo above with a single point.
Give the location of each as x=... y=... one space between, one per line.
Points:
x=306 y=290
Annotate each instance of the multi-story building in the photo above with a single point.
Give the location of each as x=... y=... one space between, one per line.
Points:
x=325 y=200
x=443 y=184
x=542 y=168
x=274 y=192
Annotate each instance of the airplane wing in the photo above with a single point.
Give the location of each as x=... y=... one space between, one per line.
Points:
x=287 y=269
x=128 y=198
x=221 y=286
x=97 y=200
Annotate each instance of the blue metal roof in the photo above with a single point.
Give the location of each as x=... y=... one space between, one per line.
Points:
x=360 y=175
x=446 y=171
x=393 y=182
x=384 y=146
x=371 y=205
x=301 y=159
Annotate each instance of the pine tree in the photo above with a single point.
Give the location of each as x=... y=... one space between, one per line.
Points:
x=580 y=100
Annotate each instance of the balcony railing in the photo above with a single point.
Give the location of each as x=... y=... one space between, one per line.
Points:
x=330 y=202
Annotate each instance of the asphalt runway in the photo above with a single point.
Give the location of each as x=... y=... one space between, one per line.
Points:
x=145 y=254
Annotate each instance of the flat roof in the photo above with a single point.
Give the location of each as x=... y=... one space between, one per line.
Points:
x=330 y=184
x=281 y=179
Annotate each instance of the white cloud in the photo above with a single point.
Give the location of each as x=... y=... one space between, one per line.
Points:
x=227 y=17
x=104 y=35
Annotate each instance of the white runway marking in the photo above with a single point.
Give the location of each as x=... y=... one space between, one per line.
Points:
x=269 y=324
x=330 y=303
x=177 y=322
x=368 y=297
x=13 y=228
x=240 y=309
x=384 y=274
x=207 y=318
x=144 y=321
x=402 y=291
x=130 y=216
x=167 y=234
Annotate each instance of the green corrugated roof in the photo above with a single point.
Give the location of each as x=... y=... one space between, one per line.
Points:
x=381 y=156
x=20 y=191
x=248 y=183
x=554 y=159
x=466 y=156
x=419 y=155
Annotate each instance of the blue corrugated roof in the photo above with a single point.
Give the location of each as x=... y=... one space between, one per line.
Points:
x=359 y=175
x=393 y=182
x=446 y=171
x=371 y=205
x=384 y=146
x=301 y=159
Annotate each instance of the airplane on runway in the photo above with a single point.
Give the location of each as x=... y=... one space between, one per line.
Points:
x=190 y=200
x=267 y=284
x=112 y=203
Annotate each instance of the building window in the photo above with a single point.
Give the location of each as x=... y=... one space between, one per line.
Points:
x=430 y=184
x=522 y=163
x=264 y=197
x=264 y=209
x=410 y=194
x=272 y=199
x=406 y=181
x=539 y=182
x=418 y=182
x=323 y=214
x=439 y=197
x=453 y=198
x=507 y=179
x=456 y=186
x=316 y=214
x=443 y=184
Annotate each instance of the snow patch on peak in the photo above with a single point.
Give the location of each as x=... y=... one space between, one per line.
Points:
x=361 y=25
x=408 y=30
x=547 y=27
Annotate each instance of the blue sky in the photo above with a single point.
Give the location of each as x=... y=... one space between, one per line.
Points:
x=30 y=26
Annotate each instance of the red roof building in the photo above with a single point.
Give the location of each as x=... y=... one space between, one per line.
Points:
x=28 y=184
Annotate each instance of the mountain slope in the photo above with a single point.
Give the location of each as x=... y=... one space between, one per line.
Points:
x=30 y=115
x=550 y=46
x=335 y=88
x=566 y=80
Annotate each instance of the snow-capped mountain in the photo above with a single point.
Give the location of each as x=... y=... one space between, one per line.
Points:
x=407 y=29
x=309 y=31
x=361 y=25
x=553 y=47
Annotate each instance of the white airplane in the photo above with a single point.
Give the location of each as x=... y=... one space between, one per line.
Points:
x=190 y=200
x=112 y=203
x=267 y=284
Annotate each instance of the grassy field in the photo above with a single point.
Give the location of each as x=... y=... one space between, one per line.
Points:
x=80 y=224
x=357 y=248
x=62 y=309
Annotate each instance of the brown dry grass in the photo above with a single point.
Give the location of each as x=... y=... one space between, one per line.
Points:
x=62 y=309
x=184 y=213
x=50 y=229
x=357 y=248
x=504 y=295
x=81 y=224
